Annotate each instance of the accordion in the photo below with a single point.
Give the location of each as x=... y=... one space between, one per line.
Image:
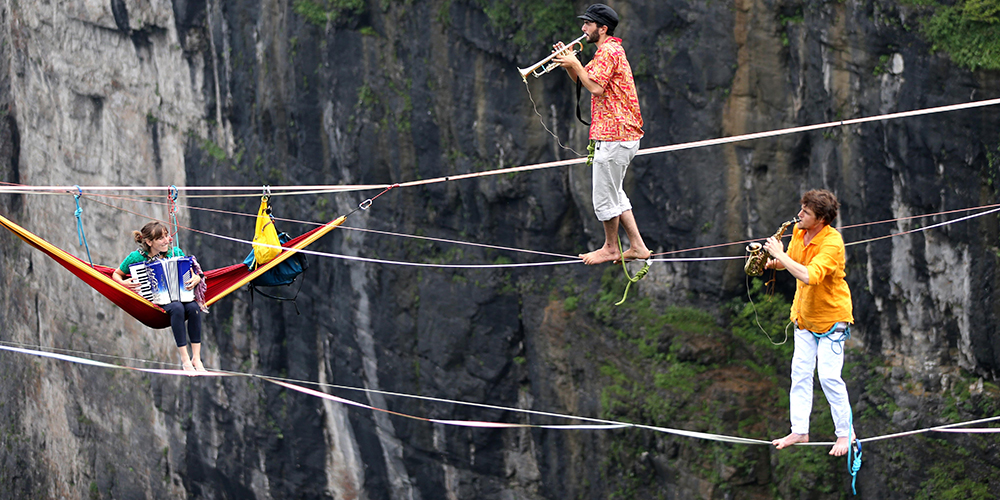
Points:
x=162 y=281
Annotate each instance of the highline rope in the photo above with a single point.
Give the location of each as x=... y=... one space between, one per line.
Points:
x=594 y=423
x=546 y=165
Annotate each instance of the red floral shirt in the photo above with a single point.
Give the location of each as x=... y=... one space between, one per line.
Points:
x=614 y=114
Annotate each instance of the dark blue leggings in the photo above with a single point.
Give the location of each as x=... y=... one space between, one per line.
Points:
x=179 y=312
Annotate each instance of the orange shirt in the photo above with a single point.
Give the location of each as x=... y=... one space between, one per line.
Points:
x=826 y=300
x=614 y=114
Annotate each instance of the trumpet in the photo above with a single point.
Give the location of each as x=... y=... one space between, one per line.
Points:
x=544 y=66
x=758 y=257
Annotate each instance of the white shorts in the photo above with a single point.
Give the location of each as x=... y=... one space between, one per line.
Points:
x=611 y=160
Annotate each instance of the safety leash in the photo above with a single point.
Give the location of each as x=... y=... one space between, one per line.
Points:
x=631 y=279
x=853 y=463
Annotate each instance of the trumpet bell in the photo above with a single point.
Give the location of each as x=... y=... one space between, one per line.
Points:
x=545 y=65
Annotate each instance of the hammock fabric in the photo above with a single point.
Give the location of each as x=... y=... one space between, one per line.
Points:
x=220 y=282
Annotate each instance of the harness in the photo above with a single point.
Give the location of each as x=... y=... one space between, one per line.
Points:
x=845 y=332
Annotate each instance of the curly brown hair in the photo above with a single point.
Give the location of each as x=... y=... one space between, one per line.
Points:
x=822 y=203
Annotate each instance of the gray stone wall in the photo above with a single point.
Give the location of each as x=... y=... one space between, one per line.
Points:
x=241 y=92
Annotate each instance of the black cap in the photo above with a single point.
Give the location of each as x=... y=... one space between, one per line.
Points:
x=601 y=14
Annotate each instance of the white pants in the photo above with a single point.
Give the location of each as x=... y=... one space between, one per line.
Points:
x=611 y=160
x=830 y=357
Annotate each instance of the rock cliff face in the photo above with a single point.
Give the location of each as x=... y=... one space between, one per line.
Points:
x=308 y=92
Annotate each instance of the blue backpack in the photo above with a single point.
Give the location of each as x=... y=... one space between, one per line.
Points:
x=282 y=274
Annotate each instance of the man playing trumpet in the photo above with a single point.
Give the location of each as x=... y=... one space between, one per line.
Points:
x=615 y=130
x=822 y=314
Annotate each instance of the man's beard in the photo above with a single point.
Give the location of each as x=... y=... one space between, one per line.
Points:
x=593 y=37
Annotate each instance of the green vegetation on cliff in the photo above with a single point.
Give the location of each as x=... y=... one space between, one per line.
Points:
x=708 y=371
x=533 y=22
x=318 y=12
x=968 y=30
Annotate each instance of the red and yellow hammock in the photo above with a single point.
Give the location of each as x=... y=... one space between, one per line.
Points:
x=220 y=282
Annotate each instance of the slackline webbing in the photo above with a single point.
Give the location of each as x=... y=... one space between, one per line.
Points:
x=539 y=166
x=596 y=424
x=569 y=259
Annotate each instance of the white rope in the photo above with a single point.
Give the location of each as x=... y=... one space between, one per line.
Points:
x=457 y=242
x=985 y=430
x=719 y=141
x=255 y=190
x=539 y=166
x=693 y=259
x=394 y=262
x=575 y=260
x=939 y=428
x=550 y=254
x=597 y=424
x=570 y=260
x=921 y=229
x=993 y=208
x=807 y=128
x=330 y=386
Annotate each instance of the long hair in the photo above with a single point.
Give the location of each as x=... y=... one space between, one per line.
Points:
x=151 y=231
x=822 y=203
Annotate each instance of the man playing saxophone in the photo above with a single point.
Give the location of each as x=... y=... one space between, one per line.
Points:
x=822 y=314
x=615 y=130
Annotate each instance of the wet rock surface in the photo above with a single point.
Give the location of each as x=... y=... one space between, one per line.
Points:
x=247 y=93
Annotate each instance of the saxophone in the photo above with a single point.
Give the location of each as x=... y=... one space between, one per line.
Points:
x=758 y=257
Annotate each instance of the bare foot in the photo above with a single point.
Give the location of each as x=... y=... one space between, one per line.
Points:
x=198 y=366
x=636 y=254
x=789 y=440
x=188 y=367
x=600 y=256
x=840 y=448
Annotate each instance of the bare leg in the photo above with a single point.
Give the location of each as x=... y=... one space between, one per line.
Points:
x=840 y=448
x=185 y=359
x=637 y=249
x=609 y=252
x=790 y=439
x=196 y=357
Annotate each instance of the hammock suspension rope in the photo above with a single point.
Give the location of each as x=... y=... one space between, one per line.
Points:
x=81 y=237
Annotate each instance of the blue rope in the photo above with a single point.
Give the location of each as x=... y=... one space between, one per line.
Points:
x=81 y=237
x=853 y=464
x=834 y=342
x=172 y=193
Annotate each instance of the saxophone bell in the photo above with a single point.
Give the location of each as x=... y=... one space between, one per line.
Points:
x=757 y=258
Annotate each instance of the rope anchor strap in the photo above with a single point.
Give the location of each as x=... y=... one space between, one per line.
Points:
x=365 y=205
x=631 y=279
x=172 y=193
x=81 y=237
